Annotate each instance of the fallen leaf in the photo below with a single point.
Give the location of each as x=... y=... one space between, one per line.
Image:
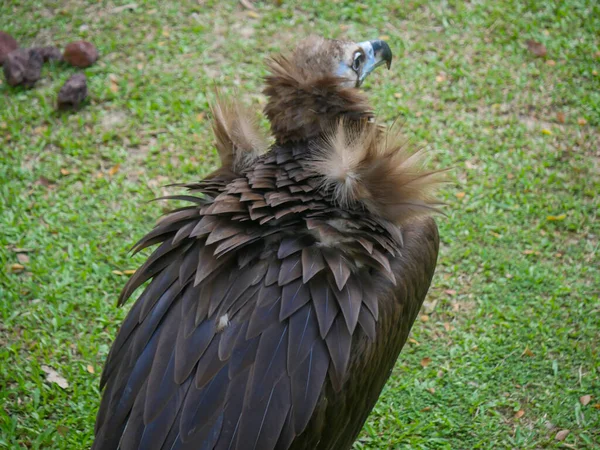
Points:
x=413 y=341
x=520 y=413
x=546 y=131
x=551 y=62
x=425 y=362
x=581 y=121
x=22 y=258
x=117 y=272
x=166 y=33
x=129 y=6
x=424 y=317
x=21 y=250
x=556 y=218
x=597 y=406
x=528 y=252
x=200 y=117
x=90 y=369
x=450 y=291
x=447 y=326
x=527 y=352
x=114 y=169
x=562 y=435
x=460 y=195
x=397 y=95
x=585 y=399
x=114 y=85
x=45 y=182
x=441 y=77
x=16 y=268
x=252 y=14
x=431 y=390
x=248 y=5
x=52 y=376
x=129 y=271
x=561 y=117
x=64 y=172
x=536 y=48
x=558 y=255
x=427 y=408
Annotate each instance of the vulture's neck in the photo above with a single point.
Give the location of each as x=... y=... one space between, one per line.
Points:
x=302 y=108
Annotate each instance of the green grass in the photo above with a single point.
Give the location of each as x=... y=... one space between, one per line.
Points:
x=513 y=319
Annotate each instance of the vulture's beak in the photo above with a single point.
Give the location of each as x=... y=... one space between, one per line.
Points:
x=377 y=53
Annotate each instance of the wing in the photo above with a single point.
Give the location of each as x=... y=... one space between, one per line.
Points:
x=243 y=323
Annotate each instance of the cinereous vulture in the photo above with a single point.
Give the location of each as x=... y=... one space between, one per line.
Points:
x=279 y=300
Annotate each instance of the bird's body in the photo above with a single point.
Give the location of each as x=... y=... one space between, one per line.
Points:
x=279 y=300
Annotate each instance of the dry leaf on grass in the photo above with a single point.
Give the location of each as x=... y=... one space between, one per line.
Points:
x=527 y=352
x=536 y=48
x=425 y=362
x=114 y=169
x=129 y=271
x=556 y=218
x=22 y=258
x=560 y=117
x=520 y=413
x=16 y=268
x=52 y=376
x=581 y=121
x=585 y=399
x=562 y=435
x=90 y=369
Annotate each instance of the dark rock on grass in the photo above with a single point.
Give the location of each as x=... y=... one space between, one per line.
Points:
x=49 y=53
x=23 y=66
x=73 y=92
x=80 y=54
x=7 y=45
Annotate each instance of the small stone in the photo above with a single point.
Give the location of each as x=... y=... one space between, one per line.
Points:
x=23 y=66
x=73 y=92
x=7 y=45
x=80 y=54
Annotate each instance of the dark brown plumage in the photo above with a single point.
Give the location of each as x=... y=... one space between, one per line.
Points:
x=280 y=299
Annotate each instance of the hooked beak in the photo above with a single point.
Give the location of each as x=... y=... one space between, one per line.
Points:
x=377 y=53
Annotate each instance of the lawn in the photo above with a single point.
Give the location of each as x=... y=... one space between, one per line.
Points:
x=506 y=351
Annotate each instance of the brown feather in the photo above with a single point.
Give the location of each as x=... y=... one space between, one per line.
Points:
x=360 y=164
x=238 y=138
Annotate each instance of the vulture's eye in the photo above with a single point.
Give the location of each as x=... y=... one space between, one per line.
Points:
x=358 y=57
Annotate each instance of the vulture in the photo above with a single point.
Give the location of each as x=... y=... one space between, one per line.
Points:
x=277 y=301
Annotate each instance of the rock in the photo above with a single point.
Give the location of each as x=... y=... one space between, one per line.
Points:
x=49 y=53
x=80 y=54
x=23 y=66
x=7 y=45
x=73 y=92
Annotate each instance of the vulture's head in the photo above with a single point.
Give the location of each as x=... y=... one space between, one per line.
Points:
x=348 y=62
x=317 y=84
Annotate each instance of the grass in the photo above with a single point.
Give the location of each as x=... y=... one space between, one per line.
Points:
x=508 y=342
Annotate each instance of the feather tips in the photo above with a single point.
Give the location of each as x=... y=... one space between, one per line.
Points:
x=239 y=140
x=358 y=163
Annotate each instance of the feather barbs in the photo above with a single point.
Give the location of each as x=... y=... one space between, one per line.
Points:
x=238 y=137
x=360 y=163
